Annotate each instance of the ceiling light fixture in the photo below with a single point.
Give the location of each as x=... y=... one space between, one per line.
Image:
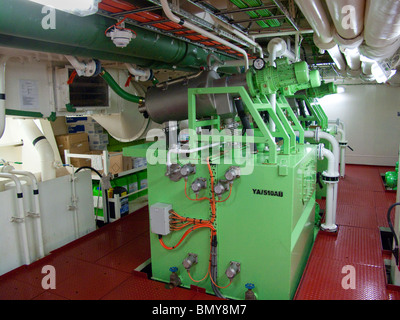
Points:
x=80 y=8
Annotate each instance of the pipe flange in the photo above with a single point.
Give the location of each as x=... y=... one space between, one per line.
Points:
x=324 y=45
x=330 y=179
x=348 y=43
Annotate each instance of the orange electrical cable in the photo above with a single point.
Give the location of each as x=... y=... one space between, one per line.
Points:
x=230 y=192
x=197 y=199
x=230 y=282
x=184 y=236
x=197 y=280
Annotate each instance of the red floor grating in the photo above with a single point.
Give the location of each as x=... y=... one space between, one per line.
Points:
x=361 y=212
x=101 y=265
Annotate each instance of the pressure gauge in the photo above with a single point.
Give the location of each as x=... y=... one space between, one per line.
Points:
x=259 y=64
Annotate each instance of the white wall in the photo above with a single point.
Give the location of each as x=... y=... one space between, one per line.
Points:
x=372 y=123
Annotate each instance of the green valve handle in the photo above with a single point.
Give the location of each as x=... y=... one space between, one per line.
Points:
x=270 y=79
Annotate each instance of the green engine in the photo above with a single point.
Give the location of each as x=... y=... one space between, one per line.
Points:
x=232 y=210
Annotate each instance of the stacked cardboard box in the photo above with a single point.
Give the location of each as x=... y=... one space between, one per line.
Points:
x=98 y=139
x=75 y=143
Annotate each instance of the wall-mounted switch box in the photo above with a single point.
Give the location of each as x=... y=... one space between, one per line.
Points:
x=159 y=218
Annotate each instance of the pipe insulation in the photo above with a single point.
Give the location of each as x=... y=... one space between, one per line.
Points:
x=315 y=13
x=332 y=172
x=330 y=216
x=32 y=134
x=382 y=29
x=348 y=19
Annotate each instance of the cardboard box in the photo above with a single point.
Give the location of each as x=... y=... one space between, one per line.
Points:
x=119 y=163
x=98 y=138
x=65 y=141
x=74 y=142
x=81 y=162
x=127 y=163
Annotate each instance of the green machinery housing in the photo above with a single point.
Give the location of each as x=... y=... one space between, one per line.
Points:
x=232 y=210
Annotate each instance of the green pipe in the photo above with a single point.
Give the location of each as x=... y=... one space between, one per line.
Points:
x=28 y=44
x=118 y=90
x=23 y=19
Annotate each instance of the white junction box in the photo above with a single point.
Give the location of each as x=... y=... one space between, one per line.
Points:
x=159 y=218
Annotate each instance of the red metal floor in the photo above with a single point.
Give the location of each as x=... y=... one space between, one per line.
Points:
x=101 y=265
x=362 y=208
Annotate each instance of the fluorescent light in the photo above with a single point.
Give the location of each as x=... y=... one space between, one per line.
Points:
x=78 y=7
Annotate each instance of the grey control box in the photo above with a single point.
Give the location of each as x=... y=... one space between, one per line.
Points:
x=159 y=218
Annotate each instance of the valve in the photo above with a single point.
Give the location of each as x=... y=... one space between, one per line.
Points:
x=250 y=295
x=174 y=280
x=221 y=187
x=232 y=173
x=233 y=270
x=199 y=184
x=189 y=261
x=187 y=170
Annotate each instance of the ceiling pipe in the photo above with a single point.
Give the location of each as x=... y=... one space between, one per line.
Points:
x=382 y=29
x=205 y=33
x=316 y=16
x=348 y=19
x=84 y=37
x=240 y=35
